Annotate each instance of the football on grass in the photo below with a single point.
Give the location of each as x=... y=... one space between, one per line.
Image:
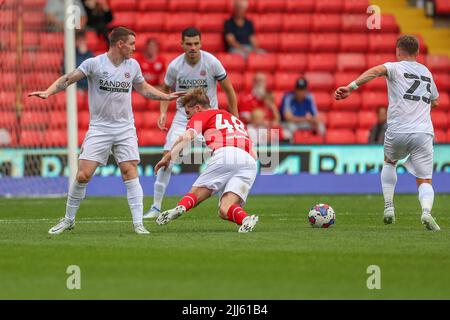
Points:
x=321 y=216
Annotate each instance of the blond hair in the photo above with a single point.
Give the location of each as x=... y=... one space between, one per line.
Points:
x=196 y=96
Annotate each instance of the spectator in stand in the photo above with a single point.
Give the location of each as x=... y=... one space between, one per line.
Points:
x=258 y=127
x=55 y=14
x=239 y=32
x=299 y=111
x=377 y=132
x=82 y=53
x=152 y=63
x=98 y=16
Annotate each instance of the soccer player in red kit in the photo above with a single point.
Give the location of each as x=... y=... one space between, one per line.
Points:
x=231 y=170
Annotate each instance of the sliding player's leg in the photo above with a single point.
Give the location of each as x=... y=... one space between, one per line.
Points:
x=230 y=208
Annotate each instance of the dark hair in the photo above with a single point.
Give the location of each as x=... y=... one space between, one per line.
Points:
x=190 y=32
x=120 y=33
x=196 y=96
x=80 y=34
x=408 y=44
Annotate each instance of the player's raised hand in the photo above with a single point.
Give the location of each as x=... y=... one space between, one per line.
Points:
x=162 y=121
x=39 y=94
x=342 y=93
x=176 y=95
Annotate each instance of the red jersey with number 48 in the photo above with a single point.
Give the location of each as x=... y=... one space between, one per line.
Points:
x=221 y=129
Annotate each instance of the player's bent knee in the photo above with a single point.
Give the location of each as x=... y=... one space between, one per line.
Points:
x=223 y=213
x=83 y=177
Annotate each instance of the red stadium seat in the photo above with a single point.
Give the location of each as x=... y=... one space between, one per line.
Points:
x=122 y=5
x=324 y=42
x=372 y=100
x=58 y=119
x=442 y=81
x=344 y=78
x=322 y=81
x=8 y=60
x=148 y=119
x=374 y=59
x=171 y=43
x=292 y=62
x=222 y=100
x=138 y=101
x=322 y=62
x=83 y=119
x=177 y=22
x=366 y=119
x=340 y=136
x=442 y=7
x=329 y=6
x=355 y=6
x=8 y=119
x=124 y=19
x=8 y=81
x=300 y=6
x=440 y=136
x=270 y=22
x=262 y=62
x=142 y=38
x=323 y=100
x=170 y=56
x=437 y=63
x=139 y=119
x=210 y=6
x=31 y=138
x=8 y=40
x=271 y=5
x=296 y=22
x=353 y=42
x=151 y=137
x=351 y=62
x=232 y=62
x=150 y=21
x=212 y=42
x=152 y=5
x=440 y=119
x=326 y=23
x=354 y=23
x=55 y=138
x=341 y=120
x=47 y=61
x=7 y=100
x=294 y=42
x=211 y=22
x=237 y=80
x=285 y=81
x=33 y=20
x=307 y=137
x=30 y=40
x=353 y=102
x=269 y=41
x=377 y=84
x=34 y=119
x=389 y=23
x=183 y=5
x=444 y=101
x=382 y=42
x=362 y=136
x=81 y=136
x=33 y=4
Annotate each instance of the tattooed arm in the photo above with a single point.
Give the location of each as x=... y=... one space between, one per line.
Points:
x=59 y=85
x=148 y=91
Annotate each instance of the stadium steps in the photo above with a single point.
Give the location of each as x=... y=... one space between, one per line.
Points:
x=413 y=21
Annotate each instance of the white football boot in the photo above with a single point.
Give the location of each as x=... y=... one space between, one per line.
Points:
x=154 y=212
x=429 y=222
x=63 y=224
x=389 y=215
x=248 y=224
x=140 y=229
x=170 y=215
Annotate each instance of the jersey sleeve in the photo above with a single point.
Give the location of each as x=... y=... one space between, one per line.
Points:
x=391 y=70
x=87 y=66
x=138 y=77
x=218 y=70
x=171 y=75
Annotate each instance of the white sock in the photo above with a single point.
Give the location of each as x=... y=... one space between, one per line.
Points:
x=77 y=192
x=426 y=197
x=161 y=183
x=135 y=197
x=388 y=182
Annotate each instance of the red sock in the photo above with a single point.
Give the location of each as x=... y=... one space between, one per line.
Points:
x=189 y=201
x=236 y=214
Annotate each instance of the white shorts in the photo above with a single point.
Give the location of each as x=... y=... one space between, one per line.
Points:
x=98 y=145
x=176 y=130
x=229 y=169
x=419 y=148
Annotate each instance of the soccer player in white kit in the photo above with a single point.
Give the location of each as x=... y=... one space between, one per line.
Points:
x=192 y=69
x=412 y=94
x=111 y=77
x=231 y=170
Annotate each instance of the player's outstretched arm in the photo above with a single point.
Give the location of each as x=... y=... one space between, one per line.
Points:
x=227 y=87
x=59 y=85
x=372 y=73
x=151 y=92
x=181 y=142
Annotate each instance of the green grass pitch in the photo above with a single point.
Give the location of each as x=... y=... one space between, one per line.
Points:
x=200 y=256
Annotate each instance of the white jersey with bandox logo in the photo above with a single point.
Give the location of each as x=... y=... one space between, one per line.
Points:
x=204 y=74
x=110 y=91
x=411 y=89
